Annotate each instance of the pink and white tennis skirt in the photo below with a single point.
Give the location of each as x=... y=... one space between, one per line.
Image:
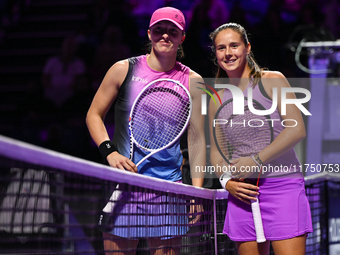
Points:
x=284 y=208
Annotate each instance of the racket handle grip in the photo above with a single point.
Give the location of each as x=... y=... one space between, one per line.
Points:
x=255 y=207
x=109 y=207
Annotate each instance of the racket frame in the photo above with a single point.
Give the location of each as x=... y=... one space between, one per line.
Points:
x=255 y=206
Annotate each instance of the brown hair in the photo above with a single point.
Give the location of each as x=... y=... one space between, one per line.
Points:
x=255 y=70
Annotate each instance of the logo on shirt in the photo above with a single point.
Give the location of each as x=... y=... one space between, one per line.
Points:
x=138 y=79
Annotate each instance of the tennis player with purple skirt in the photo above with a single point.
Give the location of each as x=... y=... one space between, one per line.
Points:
x=121 y=86
x=284 y=207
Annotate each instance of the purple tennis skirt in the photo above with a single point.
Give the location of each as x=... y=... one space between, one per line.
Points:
x=144 y=214
x=284 y=209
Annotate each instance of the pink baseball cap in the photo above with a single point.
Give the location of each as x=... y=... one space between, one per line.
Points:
x=170 y=14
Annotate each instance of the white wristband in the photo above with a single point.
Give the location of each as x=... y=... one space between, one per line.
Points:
x=224 y=178
x=257 y=163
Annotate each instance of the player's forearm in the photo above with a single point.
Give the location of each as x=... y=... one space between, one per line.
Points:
x=197 y=157
x=97 y=129
x=284 y=142
x=196 y=136
x=196 y=166
x=219 y=163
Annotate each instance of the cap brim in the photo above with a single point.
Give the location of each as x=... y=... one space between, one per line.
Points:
x=176 y=23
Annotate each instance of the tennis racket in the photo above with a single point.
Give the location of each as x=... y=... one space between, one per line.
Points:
x=158 y=117
x=243 y=136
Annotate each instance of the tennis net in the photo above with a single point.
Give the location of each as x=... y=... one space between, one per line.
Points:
x=52 y=203
x=323 y=193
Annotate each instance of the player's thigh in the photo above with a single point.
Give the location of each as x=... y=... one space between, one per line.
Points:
x=115 y=245
x=253 y=248
x=165 y=247
x=292 y=246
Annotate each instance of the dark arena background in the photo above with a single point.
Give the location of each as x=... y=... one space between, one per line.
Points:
x=52 y=176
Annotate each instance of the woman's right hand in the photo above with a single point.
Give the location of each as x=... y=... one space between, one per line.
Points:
x=117 y=160
x=242 y=190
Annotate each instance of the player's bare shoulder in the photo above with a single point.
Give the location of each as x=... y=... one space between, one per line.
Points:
x=272 y=74
x=117 y=72
x=273 y=79
x=194 y=75
x=195 y=79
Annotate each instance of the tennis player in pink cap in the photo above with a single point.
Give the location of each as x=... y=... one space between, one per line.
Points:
x=121 y=85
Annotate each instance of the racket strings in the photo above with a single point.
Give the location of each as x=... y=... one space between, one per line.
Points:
x=242 y=135
x=160 y=114
x=248 y=140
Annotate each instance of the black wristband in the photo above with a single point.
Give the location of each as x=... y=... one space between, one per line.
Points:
x=106 y=148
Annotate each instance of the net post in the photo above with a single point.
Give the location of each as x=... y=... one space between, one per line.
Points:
x=326 y=196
